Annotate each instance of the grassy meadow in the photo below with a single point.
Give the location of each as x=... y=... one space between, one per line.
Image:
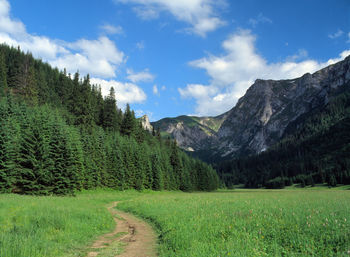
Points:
x=54 y=226
x=297 y=222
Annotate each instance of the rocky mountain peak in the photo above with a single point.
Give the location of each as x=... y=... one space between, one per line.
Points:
x=261 y=117
x=269 y=106
x=146 y=123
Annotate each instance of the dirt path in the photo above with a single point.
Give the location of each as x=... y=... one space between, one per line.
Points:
x=137 y=236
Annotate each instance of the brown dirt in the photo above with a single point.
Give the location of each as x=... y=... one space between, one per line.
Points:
x=139 y=237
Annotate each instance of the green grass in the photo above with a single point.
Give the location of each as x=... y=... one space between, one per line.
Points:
x=54 y=226
x=240 y=222
x=249 y=222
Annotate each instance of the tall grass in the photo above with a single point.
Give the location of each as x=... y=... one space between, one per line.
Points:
x=54 y=226
x=249 y=223
x=230 y=223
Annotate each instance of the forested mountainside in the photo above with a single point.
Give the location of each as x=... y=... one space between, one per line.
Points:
x=58 y=135
x=280 y=132
x=314 y=149
x=260 y=117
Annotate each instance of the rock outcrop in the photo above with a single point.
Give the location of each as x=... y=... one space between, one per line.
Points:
x=261 y=117
x=145 y=123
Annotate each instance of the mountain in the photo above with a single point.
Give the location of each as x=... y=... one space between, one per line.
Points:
x=191 y=133
x=314 y=149
x=261 y=117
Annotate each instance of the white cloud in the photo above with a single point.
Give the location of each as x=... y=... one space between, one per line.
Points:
x=163 y=88
x=8 y=25
x=336 y=34
x=259 y=19
x=348 y=38
x=99 y=57
x=197 y=91
x=200 y=14
x=110 y=29
x=155 y=90
x=124 y=92
x=233 y=72
x=143 y=76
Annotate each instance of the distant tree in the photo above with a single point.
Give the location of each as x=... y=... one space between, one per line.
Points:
x=3 y=75
x=110 y=115
x=128 y=123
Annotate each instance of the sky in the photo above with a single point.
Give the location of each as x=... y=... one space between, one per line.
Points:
x=168 y=58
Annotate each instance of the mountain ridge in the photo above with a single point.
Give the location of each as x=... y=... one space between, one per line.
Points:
x=260 y=117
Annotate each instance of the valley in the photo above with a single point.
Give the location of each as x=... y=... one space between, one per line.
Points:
x=240 y=222
x=197 y=128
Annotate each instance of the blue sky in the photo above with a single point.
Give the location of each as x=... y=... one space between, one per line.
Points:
x=167 y=58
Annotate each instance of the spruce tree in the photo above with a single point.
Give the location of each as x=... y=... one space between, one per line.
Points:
x=3 y=75
x=128 y=123
x=110 y=116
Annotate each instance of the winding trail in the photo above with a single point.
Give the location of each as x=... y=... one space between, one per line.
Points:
x=138 y=237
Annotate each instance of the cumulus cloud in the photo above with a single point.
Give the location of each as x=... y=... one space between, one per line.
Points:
x=143 y=76
x=337 y=34
x=99 y=57
x=110 y=29
x=197 y=91
x=234 y=71
x=200 y=14
x=124 y=92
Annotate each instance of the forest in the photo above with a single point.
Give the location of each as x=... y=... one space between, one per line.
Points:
x=314 y=149
x=59 y=135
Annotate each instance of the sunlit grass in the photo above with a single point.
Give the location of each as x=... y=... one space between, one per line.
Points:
x=295 y=222
x=249 y=222
x=54 y=226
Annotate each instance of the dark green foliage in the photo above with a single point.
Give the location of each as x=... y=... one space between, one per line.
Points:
x=58 y=135
x=315 y=149
x=129 y=122
x=3 y=75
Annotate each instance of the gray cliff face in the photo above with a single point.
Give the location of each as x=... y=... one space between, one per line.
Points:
x=260 y=117
x=145 y=123
x=189 y=138
x=191 y=133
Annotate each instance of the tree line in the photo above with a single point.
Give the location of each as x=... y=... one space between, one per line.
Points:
x=58 y=134
x=314 y=149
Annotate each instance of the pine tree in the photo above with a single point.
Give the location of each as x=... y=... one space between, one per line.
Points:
x=3 y=75
x=128 y=123
x=110 y=115
x=158 y=180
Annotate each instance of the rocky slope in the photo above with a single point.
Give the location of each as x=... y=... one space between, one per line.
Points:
x=145 y=123
x=261 y=117
x=191 y=133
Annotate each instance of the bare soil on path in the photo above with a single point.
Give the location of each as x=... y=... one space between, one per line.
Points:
x=138 y=237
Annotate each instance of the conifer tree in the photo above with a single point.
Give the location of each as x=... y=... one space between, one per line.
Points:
x=128 y=123
x=3 y=75
x=110 y=116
